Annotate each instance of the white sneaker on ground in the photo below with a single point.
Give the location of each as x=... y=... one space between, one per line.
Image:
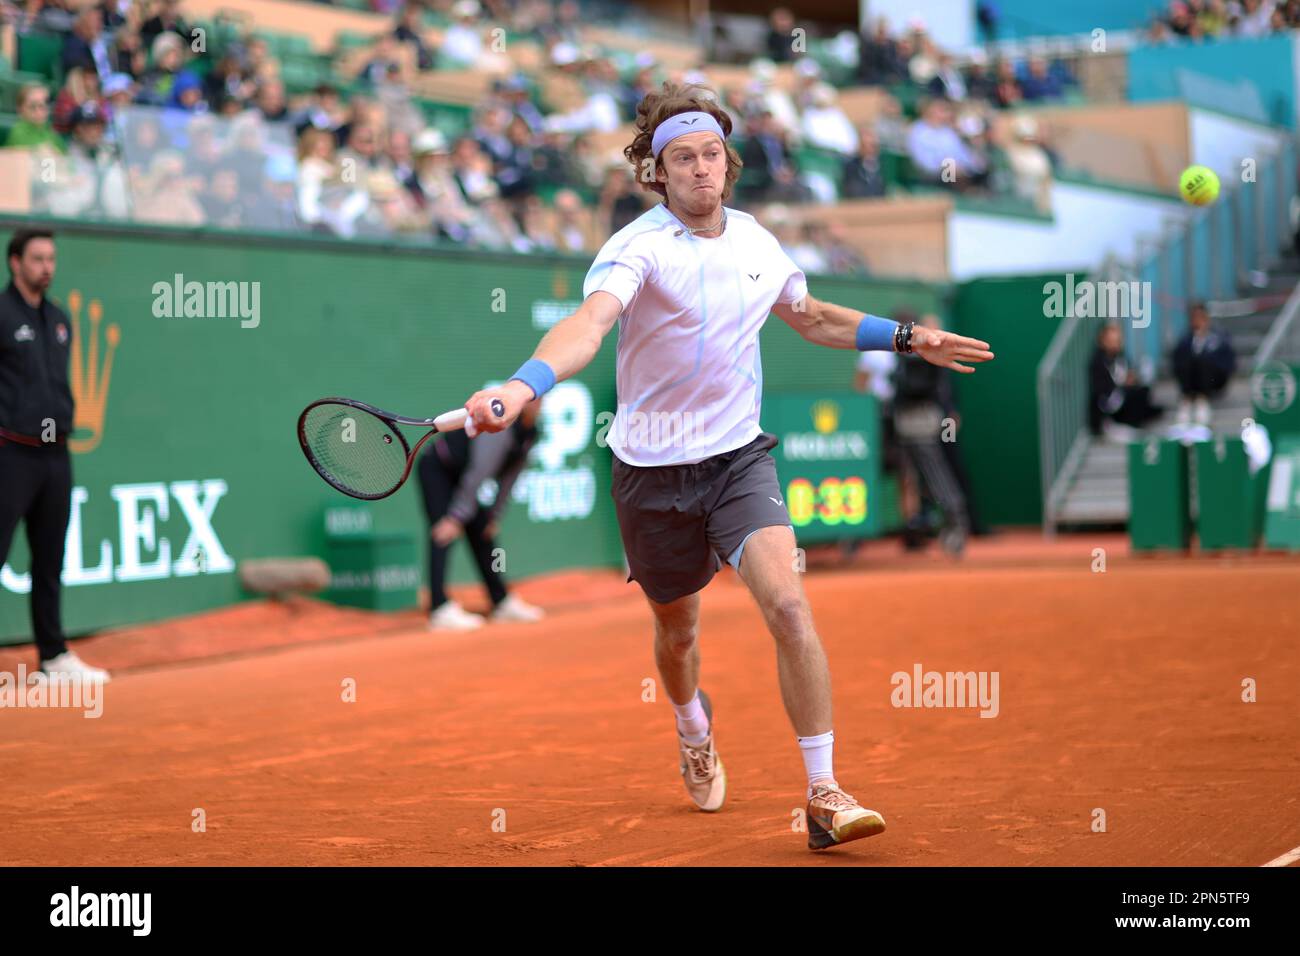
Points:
x=514 y=608
x=69 y=664
x=452 y=617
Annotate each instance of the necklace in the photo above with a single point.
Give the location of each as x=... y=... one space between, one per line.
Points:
x=722 y=221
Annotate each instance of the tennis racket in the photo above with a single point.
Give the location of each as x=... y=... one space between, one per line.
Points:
x=359 y=449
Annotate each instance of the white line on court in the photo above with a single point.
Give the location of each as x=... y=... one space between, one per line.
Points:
x=1286 y=859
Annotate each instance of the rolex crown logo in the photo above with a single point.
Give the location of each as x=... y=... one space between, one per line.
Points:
x=825 y=416
x=90 y=381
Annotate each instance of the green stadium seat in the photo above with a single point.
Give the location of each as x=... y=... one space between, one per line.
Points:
x=351 y=40
x=825 y=162
x=41 y=53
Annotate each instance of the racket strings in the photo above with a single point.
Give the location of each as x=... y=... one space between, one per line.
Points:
x=354 y=449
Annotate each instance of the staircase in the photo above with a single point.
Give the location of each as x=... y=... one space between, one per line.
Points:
x=1097 y=491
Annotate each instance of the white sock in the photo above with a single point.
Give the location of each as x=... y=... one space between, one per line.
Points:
x=817 y=757
x=692 y=722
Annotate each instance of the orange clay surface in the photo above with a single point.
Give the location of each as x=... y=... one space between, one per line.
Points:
x=1118 y=690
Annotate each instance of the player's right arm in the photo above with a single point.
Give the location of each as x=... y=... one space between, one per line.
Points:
x=567 y=348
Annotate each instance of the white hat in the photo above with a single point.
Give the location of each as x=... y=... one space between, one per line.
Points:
x=564 y=53
x=807 y=66
x=465 y=8
x=429 y=140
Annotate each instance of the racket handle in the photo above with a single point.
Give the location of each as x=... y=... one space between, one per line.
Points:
x=450 y=421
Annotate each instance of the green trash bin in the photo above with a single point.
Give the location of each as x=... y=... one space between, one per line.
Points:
x=368 y=568
x=1159 y=516
x=1229 y=512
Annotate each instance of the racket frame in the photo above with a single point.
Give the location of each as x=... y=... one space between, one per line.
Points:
x=445 y=422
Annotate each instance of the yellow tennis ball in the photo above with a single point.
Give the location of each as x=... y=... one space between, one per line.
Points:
x=1199 y=185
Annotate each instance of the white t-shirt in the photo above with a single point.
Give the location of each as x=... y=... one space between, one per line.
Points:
x=689 y=375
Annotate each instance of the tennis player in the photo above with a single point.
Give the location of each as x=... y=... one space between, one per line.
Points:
x=691 y=283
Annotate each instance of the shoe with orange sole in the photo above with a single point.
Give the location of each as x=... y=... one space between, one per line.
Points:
x=836 y=817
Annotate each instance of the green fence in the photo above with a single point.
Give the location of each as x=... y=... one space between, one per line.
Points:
x=186 y=460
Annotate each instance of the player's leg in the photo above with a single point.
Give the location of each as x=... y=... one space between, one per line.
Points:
x=749 y=524
x=677 y=657
x=669 y=556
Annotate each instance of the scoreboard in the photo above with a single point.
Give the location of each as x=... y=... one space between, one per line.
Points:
x=828 y=461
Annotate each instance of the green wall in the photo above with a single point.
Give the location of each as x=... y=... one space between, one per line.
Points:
x=999 y=402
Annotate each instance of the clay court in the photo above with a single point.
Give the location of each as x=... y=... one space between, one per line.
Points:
x=1119 y=690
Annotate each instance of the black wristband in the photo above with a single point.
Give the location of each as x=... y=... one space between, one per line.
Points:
x=903 y=338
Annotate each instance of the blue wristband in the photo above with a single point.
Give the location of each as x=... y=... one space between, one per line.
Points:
x=875 y=334
x=537 y=375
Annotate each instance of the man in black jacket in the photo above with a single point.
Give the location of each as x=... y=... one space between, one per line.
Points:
x=1203 y=363
x=451 y=474
x=36 y=413
x=1117 y=398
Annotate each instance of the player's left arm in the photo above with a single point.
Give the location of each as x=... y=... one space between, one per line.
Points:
x=825 y=323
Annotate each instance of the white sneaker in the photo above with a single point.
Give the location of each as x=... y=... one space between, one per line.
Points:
x=69 y=664
x=515 y=609
x=1120 y=434
x=452 y=617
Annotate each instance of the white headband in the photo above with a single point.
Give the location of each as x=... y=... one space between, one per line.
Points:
x=681 y=124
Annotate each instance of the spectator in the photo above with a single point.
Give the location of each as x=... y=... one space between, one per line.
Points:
x=981 y=83
x=168 y=195
x=118 y=92
x=383 y=59
x=770 y=171
x=764 y=94
x=1118 y=401
x=572 y=229
x=1008 y=92
x=862 y=177
x=364 y=154
x=85 y=46
x=169 y=60
x=80 y=86
x=187 y=94
x=408 y=31
x=1042 y=84
x=618 y=204
x=462 y=43
x=1029 y=162
x=166 y=20
x=941 y=156
x=128 y=53
x=326 y=201
x=780 y=36
x=599 y=113
x=33 y=130
x=516 y=172
x=826 y=126
x=538 y=225
x=270 y=101
x=878 y=61
x=473 y=171
x=324 y=110
x=1203 y=362
x=808 y=253
x=1254 y=18
x=947 y=81
x=437 y=190
x=224 y=206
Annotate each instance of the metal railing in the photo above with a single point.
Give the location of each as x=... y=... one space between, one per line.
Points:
x=1208 y=255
